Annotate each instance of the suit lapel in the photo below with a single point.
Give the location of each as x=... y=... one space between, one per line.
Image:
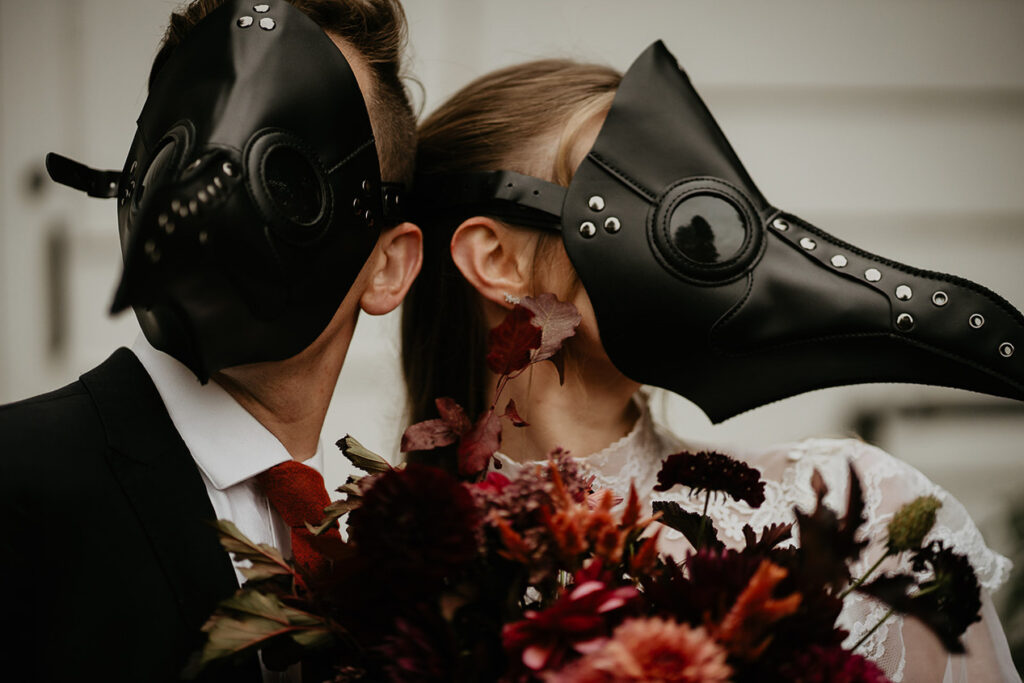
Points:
x=160 y=478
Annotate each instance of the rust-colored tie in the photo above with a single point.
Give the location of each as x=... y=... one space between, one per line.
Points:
x=298 y=494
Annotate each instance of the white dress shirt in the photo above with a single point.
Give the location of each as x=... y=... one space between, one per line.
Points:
x=230 y=447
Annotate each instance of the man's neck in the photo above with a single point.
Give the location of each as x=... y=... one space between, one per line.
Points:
x=290 y=397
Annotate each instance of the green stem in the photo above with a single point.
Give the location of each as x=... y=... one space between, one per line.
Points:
x=856 y=584
x=703 y=521
x=888 y=614
x=873 y=629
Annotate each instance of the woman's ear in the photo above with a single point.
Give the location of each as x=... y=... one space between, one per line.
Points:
x=492 y=258
x=396 y=262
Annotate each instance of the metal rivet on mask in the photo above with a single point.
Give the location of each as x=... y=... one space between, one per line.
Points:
x=113 y=184
x=904 y=293
x=193 y=206
x=267 y=24
x=365 y=185
x=183 y=212
x=194 y=164
x=808 y=244
x=588 y=229
x=905 y=321
x=245 y=22
x=977 y=321
x=229 y=170
x=261 y=8
x=780 y=225
x=357 y=206
x=152 y=252
x=612 y=225
x=169 y=228
x=203 y=237
x=211 y=190
x=135 y=166
x=202 y=196
x=940 y=298
x=162 y=220
x=175 y=205
x=1006 y=349
x=368 y=217
x=872 y=275
x=839 y=261
x=218 y=182
x=596 y=203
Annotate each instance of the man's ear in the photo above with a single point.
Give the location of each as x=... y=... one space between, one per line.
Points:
x=396 y=262
x=492 y=258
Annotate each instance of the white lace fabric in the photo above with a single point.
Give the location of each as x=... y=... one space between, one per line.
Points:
x=902 y=648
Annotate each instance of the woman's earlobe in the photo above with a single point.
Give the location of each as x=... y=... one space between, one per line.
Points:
x=490 y=256
x=397 y=261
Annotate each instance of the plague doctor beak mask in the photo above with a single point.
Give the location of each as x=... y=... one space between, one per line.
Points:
x=700 y=286
x=251 y=196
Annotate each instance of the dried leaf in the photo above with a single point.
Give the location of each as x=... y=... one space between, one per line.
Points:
x=830 y=542
x=333 y=512
x=267 y=561
x=688 y=524
x=510 y=343
x=513 y=415
x=453 y=414
x=557 y=320
x=771 y=536
x=250 y=619
x=361 y=456
x=479 y=444
x=427 y=435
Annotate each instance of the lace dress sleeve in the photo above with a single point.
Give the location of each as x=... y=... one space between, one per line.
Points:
x=904 y=648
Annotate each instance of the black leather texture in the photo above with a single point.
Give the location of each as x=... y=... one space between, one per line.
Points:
x=251 y=195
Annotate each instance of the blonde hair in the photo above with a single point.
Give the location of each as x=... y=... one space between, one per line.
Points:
x=526 y=118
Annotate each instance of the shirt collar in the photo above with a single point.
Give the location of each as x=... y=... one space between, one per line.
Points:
x=228 y=444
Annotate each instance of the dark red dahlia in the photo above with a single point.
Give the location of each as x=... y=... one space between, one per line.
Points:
x=715 y=472
x=418 y=525
x=546 y=639
x=832 y=665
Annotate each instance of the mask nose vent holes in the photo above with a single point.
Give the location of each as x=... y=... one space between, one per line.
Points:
x=706 y=230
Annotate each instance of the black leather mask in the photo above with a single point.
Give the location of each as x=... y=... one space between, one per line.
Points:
x=251 y=195
x=702 y=287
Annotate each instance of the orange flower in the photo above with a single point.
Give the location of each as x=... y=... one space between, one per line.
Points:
x=744 y=630
x=652 y=649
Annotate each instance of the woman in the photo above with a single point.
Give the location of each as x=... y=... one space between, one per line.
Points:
x=540 y=119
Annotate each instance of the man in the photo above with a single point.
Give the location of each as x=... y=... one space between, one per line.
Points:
x=255 y=225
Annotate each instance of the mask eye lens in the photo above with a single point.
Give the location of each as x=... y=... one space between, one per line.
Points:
x=707 y=229
x=157 y=169
x=293 y=185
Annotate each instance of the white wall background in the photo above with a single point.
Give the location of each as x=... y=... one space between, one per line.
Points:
x=898 y=126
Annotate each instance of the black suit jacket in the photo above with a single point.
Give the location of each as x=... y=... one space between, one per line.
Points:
x=109 y=566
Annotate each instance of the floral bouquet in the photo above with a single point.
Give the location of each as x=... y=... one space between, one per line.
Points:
x=539 y=577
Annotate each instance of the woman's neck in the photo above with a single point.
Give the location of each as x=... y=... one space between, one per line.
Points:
x=592 y=410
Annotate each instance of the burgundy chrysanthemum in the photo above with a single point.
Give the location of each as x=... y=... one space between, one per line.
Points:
x=544 y=639
x=418 y=523
x=832 y=665
x=709 y=471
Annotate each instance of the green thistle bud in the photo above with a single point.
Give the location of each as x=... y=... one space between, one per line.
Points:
x=911 y=524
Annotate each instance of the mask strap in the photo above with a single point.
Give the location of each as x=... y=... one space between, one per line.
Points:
x=79 y=176
x=519 y=198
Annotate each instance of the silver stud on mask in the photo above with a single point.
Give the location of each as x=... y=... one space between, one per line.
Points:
x=904 y=293
x=780 y=225
x=872 y=275
x=977 y=321
x=940 y=299
x=245 y=22
x=905 y=322
x=261 y=8
x=1006 y=349
x=612 y=225
x=596 y=203
x=808 y=244
x=839 y=261
x=588 y=229
x=267 y=24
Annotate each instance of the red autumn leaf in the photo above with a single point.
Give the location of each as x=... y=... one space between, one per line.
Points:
x=510 y=343
x=438 y=433
x=557 y=320
x=479 y=444
x=452 y=413
x=513 y=415
x=427 y=435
